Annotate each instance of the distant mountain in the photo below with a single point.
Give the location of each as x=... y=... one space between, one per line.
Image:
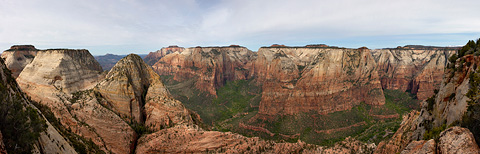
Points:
x=109 y=60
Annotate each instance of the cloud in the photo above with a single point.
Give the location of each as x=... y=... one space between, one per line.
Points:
x=139 y=25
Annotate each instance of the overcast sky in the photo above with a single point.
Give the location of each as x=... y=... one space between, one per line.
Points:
x=135 y=26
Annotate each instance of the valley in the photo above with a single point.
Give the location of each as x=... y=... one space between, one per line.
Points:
x=280 y=99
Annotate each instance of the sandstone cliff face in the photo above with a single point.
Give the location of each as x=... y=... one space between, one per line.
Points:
x=133 y=90
x=63 y=69
x=419 y=71
x=457 y=140
x=445 y=109
x=191 y=139
x=210 y=67
x=324 y=80
x=402 y=137
x=153 y=57
x=57 y=78
x=49 y=141
x=17 y=57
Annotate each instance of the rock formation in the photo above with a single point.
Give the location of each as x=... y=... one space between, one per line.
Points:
x=324 y=80
x=209 y=67
x=402 y=137
x=420 y=147
x=418 y=70
x=153 y=57
x=191 y=139
x=133 y=90
x=445 y=111
x=50 y=140
x=62 y=69
x=57 y=79
x=457 y=140
x=18 y=56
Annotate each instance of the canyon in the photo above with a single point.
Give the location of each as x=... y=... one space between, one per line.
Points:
x=303 y=95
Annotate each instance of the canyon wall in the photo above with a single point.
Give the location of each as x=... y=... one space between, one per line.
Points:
x=323 y=80
x=153 y=57
x=440 y=125
x=209 y=67
x=419 y=71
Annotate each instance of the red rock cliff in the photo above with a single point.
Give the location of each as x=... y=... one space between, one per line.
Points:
x=419 y=71
x=153 y=57
x=324 y=80
x=210 y=67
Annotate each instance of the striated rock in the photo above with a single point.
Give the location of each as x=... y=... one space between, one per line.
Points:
x=209 y=67
x=63 y=69
x=57 y=78
x=419 y=71
x=457 y=140
x=402 y=137
x=420 y=147
x=153 y=57
x=49 y=141
x=191 y=139
x=324 y=80
x=100 y=124
x=125 y=87
x=18 y=56
x=134 y=90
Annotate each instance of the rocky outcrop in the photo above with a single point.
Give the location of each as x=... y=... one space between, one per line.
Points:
x=418 y=70
x=324 y=80
x=191 y=139
x=457 y=140
x=50 y=140
x=402 y=137
x=209 y=67
x=58 y=79
x=63 y=69
x=18 y=56
x=443 y=113
x=133 y=90
x=420 y=147
x=153 y=57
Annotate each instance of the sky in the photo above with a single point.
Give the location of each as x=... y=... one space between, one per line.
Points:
x=142 y=26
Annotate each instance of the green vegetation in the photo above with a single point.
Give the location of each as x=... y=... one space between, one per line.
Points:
x=20 y=124
x=434 y=133
x=233 y=99
x=364 y=122
x=236 y=106
x=471 y=118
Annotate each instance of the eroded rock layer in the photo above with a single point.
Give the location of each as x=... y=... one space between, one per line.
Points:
x=57 y=79
x=153 y=57
x=455 y=104
x=209 y=67
x=323 y=80
x=18 y=56
x=50 y=140
x=419 y=71
x=133 y=90
x=191 y=139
